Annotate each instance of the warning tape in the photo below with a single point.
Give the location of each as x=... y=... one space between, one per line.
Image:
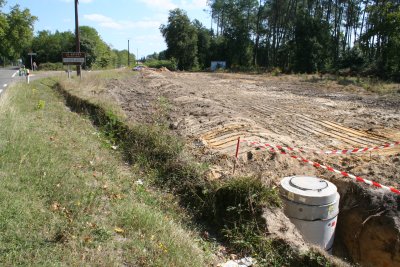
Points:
x=336 y=152
x=345 y=174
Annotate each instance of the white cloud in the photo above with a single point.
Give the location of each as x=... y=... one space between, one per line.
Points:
x=159 y=4
x=157 y=38
x=108 y=22
x=169 y=4
x=193 y=4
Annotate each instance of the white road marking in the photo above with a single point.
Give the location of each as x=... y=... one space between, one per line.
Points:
x=1 y=90
x=5 y=85
x=14 y=74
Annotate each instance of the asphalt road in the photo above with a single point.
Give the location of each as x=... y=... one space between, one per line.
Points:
x=7 y=77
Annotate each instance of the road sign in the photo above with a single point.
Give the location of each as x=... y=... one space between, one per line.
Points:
x=32 y=54
x=73 y=58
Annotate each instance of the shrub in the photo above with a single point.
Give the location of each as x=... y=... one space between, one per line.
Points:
x=169 y=64
x=276 y=71
x=51 y=66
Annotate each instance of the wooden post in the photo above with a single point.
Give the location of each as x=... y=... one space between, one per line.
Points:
x=77 y=39
x=236 y=154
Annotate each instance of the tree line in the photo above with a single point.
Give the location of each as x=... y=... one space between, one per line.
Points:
x=361 y=36
x=18 y=39
x=99 y=54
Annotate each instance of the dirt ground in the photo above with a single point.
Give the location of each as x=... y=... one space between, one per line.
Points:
x=211 y=110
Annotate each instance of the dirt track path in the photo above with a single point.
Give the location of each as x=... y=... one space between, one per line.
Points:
x=212 y=110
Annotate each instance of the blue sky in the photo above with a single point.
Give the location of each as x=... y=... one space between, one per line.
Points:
x=116 y=21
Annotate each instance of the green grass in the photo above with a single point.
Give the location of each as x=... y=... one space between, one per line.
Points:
x=68 y=199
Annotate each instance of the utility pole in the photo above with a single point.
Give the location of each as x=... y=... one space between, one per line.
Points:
x=129 y=61
x=78 y=43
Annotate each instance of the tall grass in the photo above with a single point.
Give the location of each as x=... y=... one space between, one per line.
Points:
x=370 y=84
x=68 y=199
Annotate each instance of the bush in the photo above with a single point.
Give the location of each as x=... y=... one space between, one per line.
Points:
x=169 y=64
x=51 y=66
x=276 y=71
x=353 y=59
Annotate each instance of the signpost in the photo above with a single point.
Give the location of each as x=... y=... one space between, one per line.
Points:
x=73 y=58
x=31 y=54
x=77 y=39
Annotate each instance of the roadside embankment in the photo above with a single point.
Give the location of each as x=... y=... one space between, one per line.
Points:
x=68 y=198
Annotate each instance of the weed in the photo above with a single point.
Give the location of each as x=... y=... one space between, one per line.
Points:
x=163 y=107
x=316 y=258
x=40 y=105
x=238 y=208
x=276 y=71
x=242 y=199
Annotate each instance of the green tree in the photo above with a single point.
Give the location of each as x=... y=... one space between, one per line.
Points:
x=236 y=23
x=162 y=55
x=19 y=32
x=16 y=31
x=308 y=35
x=49 y=46
x=382 y=39
x=121 y=58
x=153 y=56
x=312 y=39
x=3 y=33
x=98 y=53
x=203 y=44
x=181 y=38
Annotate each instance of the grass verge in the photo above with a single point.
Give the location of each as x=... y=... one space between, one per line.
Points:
x=68 y=199
x=369 y=84
x=231 y=209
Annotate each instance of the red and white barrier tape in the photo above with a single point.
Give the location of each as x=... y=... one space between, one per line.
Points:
x=342 y=151
x=345 y=174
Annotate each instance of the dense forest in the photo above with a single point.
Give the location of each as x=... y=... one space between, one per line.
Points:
x=17 y=40
x=355 y=36
x=358 y=37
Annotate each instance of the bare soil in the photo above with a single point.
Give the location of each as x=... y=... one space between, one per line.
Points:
x=211 y=110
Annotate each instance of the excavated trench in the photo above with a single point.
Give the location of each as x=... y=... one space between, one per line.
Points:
x=368 y=230
x=368 y=224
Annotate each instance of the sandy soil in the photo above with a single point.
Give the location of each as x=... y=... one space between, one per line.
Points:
x=211 y=110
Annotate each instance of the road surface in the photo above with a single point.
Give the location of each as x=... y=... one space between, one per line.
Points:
x=7 y=76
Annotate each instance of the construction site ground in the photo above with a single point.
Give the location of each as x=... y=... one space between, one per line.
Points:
x=211 y=110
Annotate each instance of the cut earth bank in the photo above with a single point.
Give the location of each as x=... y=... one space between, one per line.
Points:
x=212 y=110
